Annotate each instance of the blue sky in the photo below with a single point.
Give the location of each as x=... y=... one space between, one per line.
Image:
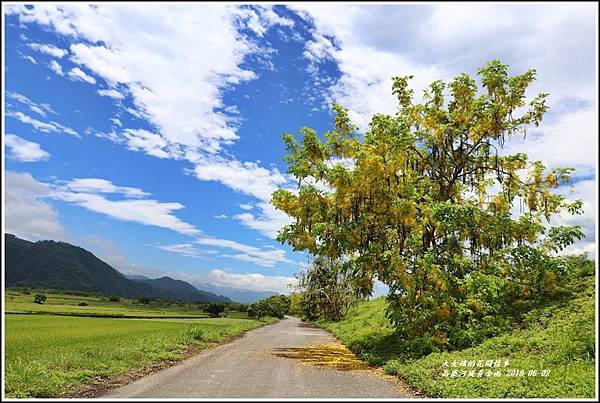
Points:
x=151 y=134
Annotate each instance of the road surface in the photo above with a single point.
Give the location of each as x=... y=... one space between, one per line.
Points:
x=282 y=360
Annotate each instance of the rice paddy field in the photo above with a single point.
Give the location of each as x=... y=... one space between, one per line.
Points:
x=18 y=302
x=51 y=354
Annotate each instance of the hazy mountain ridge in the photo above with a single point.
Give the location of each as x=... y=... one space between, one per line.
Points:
x=241 y=295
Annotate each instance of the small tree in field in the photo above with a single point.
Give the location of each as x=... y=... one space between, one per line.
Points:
x=215 y=309
x=427 y=203
x=39 y=298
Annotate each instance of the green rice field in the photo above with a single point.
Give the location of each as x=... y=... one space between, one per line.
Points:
x=49 y=354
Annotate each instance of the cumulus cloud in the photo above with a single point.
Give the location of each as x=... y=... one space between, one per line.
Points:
x=24 y=150
x=151 y=143
x=27 y=214
x=245 y=177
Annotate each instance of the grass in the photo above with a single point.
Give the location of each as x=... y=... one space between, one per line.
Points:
x=50 y=355
x=559 y=337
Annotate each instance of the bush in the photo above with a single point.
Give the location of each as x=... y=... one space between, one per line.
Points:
x=82 y=303
x=114 y=299
x=39 y=298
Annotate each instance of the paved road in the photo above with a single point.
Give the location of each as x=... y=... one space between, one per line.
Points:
x=268 y=362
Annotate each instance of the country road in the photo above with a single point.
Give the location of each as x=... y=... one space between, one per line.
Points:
x=282 y=360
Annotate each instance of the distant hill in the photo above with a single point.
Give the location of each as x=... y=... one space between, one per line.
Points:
x=236 y=294
x=183 y=289
x=62 y=266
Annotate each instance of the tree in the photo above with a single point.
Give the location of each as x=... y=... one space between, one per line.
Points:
x=39 y=298
x=276 y=306
x=215 y=309
x=427 y=203
x=146 y=300
x=328 y=290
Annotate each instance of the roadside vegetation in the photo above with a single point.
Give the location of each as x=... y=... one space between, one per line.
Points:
x=556 y=335
x=430 y=202
x=55 y=352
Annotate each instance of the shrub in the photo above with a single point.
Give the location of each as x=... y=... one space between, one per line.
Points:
x=39 y=298
x=82 y=303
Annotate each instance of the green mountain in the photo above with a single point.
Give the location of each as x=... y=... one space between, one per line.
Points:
x=62 y=266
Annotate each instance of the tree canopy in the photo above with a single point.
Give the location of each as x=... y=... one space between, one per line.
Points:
x=426 y=201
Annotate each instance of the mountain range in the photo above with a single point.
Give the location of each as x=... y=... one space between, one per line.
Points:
x=62 y=266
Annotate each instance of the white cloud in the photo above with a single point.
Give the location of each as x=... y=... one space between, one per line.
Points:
x=251 y=254
x=40 y=109
x=250 y=281
x=30 y=58
x=48 y=49
x=185 y=249
x=27 y=215
x=76 y=74
x=151 y=143
x=56 y=67
x=52 y=127
x=569 y=141
x=112 y=93
x=584 y=190
x=175 y=80
x=268 y=222
x=95 y=185
x=430 y=42
x=245 y=177
x=557 y=40
x=88 y=193
x=221 y=216
x=251 y=179
x=24 y=150
x=245 y=206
